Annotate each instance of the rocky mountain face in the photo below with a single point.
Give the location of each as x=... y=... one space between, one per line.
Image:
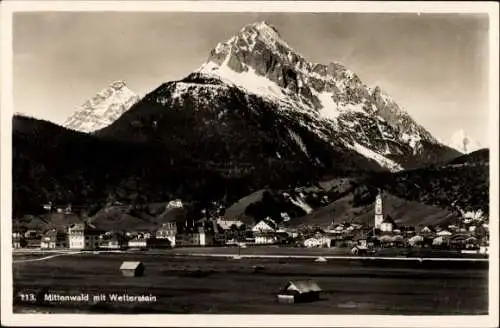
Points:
x=463 y=142
x=102 y=109
x=363 y=118
x=255 y=84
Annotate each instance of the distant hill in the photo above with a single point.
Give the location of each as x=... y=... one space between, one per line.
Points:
x=403 y=212
x=480 y=156
x=432 y=195
x=464 y=187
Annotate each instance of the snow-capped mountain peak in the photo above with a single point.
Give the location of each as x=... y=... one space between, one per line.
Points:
x=259 y=61
x=462 y=142
x=255 y=98
x=102 y=109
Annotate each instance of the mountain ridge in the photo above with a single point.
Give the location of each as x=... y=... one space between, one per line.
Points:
x=258 y=60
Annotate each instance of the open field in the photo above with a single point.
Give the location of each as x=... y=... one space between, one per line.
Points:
x=183 y=284
x=333 y=252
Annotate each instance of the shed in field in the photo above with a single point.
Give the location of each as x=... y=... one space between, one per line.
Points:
x=132 y=269
x=296 y=291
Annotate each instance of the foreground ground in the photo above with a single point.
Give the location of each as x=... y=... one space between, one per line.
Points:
x=187 y=284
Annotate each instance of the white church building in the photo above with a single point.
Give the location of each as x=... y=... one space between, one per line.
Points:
x=384 y=225
x=379 y=215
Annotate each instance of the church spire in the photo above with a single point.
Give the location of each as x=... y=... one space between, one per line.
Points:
x=379 y=215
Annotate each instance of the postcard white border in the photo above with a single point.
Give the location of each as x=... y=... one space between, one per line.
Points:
x=8 y=318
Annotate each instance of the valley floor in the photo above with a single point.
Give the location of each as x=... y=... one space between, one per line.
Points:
x=222 y=285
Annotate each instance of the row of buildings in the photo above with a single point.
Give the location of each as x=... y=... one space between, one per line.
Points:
x=170 y=234
x=83 y=236
x=219 y=231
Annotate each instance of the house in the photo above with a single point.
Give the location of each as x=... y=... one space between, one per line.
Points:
x=472 y=228
x=398 y=241
x=471 y=243
x=18 y=240
x=265 y=232
x=293 y=233
x=144 y=234
x=199 y=237
x=484 y=250
x=228 y=224
x=140 y=234
x=140 y=242
x=176 y=203
x=54 y=238
x=264 y=238
x=338 y=229
x=283 y=238
x=299 y=291
x=187 y=239
x=228 y=230
x=387 y=225
x=281 y=227
x=167 y=231
x=427 y=230
x=385 y=240
x=458 y=241
x=416 y=241
x=137 y=242
x=114 y=240
x=407 y=230
x=319 y=241
x=31 y=234
x=132 y=269
x=360 y=249
x=264 y=226
x=83 y=236
x=362 y=242
x=444 y=233
x=440 y=241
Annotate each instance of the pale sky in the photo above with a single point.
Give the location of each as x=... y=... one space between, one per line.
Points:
x=435 y=66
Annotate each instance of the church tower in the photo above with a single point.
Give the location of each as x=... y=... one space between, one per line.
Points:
x=379 y=216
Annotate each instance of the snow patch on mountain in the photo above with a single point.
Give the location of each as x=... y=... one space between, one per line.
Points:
x=248 y=80
x=380 y=159
x=413 y=140
x=303 y=205
x=299 y=141
x=299 y=202
x=329 y=109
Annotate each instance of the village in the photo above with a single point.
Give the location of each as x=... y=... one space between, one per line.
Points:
x=471 y=235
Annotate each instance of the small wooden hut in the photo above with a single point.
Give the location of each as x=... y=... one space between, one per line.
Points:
x=296 y=291
x=132 y=269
